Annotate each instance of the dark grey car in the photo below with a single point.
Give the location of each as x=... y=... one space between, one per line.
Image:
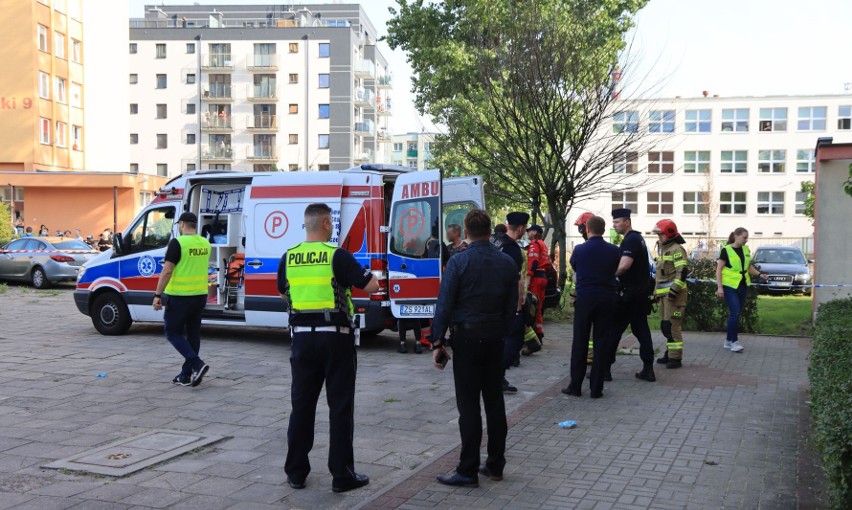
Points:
x=786 y=269
x=42 y=260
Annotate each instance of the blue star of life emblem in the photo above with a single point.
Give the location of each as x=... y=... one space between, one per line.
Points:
x=147 y=265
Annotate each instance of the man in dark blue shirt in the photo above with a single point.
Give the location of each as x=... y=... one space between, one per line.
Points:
x=594 y=263
x=477 y=301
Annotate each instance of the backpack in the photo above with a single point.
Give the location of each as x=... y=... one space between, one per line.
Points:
x=552 y=293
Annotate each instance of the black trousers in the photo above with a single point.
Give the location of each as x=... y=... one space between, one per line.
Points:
x=317 y=358
x=478 y=370
x=633 y=312
x=591 y=313
x=514 y=341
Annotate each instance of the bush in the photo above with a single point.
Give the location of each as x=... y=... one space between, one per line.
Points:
x=704 y=311
x=831 y=397
x=7 y=231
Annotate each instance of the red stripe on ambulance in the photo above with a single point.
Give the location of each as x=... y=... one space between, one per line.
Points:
x=416 y=288
x=311 y=191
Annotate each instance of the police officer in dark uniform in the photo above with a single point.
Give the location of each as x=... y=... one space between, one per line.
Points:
x=315 y=278
x=594 y=263
x=477 y=301
x=633 y=273
x=508 y=243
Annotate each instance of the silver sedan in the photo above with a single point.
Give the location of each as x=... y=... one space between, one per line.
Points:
x=43 y=260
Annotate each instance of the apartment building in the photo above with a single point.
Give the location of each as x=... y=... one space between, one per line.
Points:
x=413 y=150
x=714 y=163
x=255 y=88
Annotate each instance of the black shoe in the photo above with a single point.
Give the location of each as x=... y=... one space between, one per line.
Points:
x=357 y=481
x=516 y=363
x=597 y=395
x=664 y=359
x=508 y=388
x=417 y=348
x=458 y=480
x=647 y=373
x=484 y=471
x=574 y=393
x=294 y=484
x=673 y=363
x=182 y=380
x=198 y=375
x=402 y=349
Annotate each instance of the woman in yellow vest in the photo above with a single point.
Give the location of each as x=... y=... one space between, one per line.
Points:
x=733 y=276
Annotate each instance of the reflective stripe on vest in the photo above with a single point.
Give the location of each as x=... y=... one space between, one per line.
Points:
x=189 y=277
x=732 y=276
x=310 y=277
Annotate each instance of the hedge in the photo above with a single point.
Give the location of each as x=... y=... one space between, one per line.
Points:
x=830 y=375
x=704 y=311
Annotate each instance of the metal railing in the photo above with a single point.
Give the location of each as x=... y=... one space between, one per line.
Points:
x=218 y=61
x=365 y=127
x=262 y=152
x=262 y=92
x=215 y=152
x=384 y=81
x=262 y=61
x=365 y=97
x=214 y=121
x=365 y=69
x=217 y=91
x=261 y=122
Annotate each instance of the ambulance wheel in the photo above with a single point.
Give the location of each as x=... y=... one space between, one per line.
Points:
x=39 y=278
x=110 y=315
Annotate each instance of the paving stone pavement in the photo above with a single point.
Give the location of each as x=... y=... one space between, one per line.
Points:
x=722 y=432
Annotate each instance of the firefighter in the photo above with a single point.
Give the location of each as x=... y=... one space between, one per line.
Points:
x=671 y=290
x=538 y=264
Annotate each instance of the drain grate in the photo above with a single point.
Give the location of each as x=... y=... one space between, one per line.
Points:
x=136 y=453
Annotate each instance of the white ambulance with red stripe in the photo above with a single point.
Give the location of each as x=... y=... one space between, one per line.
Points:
x=392 y=219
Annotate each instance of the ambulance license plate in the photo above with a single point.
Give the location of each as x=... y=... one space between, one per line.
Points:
x=416 y=310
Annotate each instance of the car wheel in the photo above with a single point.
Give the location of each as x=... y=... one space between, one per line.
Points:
x=39 y=278
x=110 y=315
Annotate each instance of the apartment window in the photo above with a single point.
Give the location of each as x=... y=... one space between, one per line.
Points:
x=844 y=117
x=625 y=162
x=294 y=47
x=801 y=198
x=323 y=142
x=76 y=50
x=734 y=162
x=43 y=40
x=43 y=85
x=134 y=108
x=661 y=121
x=190 y=78
x=61 y=134
x=771 y=162
x=696 y=162
x=145 y=198
x=323 y=81
x=411 y=163
x=323 y=167
x=770 y=202
x=324 y=50
x=162 y=169
x=161 y=81
x=77 y=137
x=732 y=202
x=293 y=139
x=265 y=54
x=162 y=141
x=134 y=138
x=397 y=147
x=59 y=44
x=161 y=50
x=625 y=122
x=266 y=167
x=76 y=95
x=190 y=47
x=190 y=167
x=134 y=79
x=628 y=199
x=660 y=162
x=660 y=202
x=190 y=138
x=44 y=131
x=61 y=92
x=134 y=48
x=773 y=119
x=805 y=161
x=694 y=202
x=698 y=121
x=735 y=120
x=294 y=78
x=293 y=108
x=162 y=112
x=219 y=166
x=190 y=108
x=134 y=168
x=812 y=118
x=323 y=111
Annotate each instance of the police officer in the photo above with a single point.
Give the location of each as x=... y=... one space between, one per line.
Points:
x=184 y=281
x=538 y=264
x=477 y=301
x=670 y=290
x=516 y=225
x=594 y=263
x=633 y=307
x=315 y=279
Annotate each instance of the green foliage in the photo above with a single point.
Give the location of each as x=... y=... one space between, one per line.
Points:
x=7 y=231
x=847 y=186
x=831 y=397
x=706 y=312
x=808 y=187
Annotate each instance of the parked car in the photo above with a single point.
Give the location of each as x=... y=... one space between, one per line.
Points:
x=44 y=260
x=786 y=269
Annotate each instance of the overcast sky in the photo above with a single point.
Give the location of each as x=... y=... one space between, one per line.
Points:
x=684 y=47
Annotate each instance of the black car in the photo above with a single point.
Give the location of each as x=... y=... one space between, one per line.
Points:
x=786 y=269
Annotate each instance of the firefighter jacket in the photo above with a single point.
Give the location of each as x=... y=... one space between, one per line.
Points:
x=671 y=271
x=539 y=260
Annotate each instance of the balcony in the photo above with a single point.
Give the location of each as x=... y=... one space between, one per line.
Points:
x=383 y=136
x=384 y=108
x=217 y=92
x=262 y=123
x=262 y=153
x=384 y=81
x=365 y=69
x=365 y=128
x=213 y=153
x=262 y=62
x=216 y=123
x=218 y=62
x=411 y=153
x=365 y=97
x=262 y=93
x=366 y=156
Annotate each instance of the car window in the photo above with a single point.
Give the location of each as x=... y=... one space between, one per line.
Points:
x=153 y=230
x=776 y=256
x=34 y=244
x=16 y=245
x=72 y=244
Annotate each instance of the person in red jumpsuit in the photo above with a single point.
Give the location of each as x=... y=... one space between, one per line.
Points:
x=538 y=264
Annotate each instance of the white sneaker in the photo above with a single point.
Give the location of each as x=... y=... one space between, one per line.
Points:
x=727 y=344
x=736 y=347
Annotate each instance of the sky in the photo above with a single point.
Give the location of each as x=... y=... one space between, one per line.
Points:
x=682 y=48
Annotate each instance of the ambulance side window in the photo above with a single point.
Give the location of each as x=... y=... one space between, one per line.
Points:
x=454 y=215
x=415 y=231
x=151 y=231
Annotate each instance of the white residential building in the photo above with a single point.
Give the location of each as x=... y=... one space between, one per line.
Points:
x=254 y=88
x=413 y=150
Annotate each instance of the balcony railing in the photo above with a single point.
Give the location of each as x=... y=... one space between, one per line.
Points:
x=213 y=122
x=217 y=153
x=365 y=69
x=367 y=127
x=262 y=152
x=366 y=156
x=219 y=61
x=365 y=97
x=411 y=153
x=384 y=81
x=262 y=92
x=262 y=62
x=262 y=122
x=217 y=91
x=384 y=107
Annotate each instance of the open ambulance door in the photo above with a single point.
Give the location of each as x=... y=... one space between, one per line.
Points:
x=416 y=250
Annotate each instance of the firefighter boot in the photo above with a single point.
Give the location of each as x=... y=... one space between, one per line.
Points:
x=666 y=330
x=647 y=372
x=673 y=363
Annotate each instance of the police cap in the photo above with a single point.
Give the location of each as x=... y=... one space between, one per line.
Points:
x=188 y=217
x=621 y=213
x=535 y=228
x=517 y=218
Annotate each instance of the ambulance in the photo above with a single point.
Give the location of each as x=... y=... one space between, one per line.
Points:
x=391 y=218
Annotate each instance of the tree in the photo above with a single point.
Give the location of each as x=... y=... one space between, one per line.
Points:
x=808 y=187
x=7 y=229
x=526 y=91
